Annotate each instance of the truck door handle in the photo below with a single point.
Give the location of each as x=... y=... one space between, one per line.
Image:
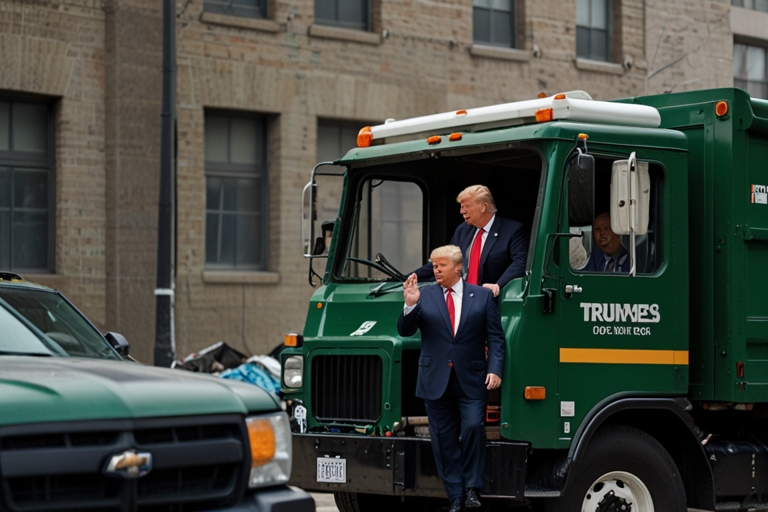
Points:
x=570 y=289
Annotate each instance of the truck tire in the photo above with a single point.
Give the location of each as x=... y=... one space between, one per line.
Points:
x=624 y=470
x=359 y=502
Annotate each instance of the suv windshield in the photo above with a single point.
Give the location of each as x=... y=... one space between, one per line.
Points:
x=42 y=323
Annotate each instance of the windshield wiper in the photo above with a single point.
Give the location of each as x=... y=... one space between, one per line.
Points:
x=382 y=289
x=381 y=260
x=378 y=267
x=12 y=353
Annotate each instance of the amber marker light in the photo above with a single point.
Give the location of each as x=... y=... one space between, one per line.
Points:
x=461 y=112
x=535 y=392
x=319 y=305
x=454 y=137
x=541 y=95
x=543 y=115
x=721 y=108
x=435 y=139
x=560 y=96
x=293 y=340
x=262 y=439
x=583 y=136
x=364 y=137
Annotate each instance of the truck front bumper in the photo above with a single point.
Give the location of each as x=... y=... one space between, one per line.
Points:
x=402 y=466
x=274 y=499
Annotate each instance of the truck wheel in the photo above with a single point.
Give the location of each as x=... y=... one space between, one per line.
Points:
x=624 y=470
x=359 y=502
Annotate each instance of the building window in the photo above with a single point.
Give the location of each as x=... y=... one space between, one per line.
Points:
x=236 y=192
x=593 y=29
x=26 y=186
x=352 y=14
x=335 y=138
x=750 y=69
x=493 y=22
x=248 y=8
x=758 y=5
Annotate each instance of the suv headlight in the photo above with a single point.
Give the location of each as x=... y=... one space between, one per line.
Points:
x=271 y=449
x=293 y=371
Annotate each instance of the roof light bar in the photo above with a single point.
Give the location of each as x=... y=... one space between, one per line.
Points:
x=575 y=106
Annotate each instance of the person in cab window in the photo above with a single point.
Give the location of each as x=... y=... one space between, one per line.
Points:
x=608 y=255
x=495 y=248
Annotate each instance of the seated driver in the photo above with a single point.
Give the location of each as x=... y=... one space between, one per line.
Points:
x=608 y=255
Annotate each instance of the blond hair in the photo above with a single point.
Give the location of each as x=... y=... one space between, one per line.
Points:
x=480 y=194
x=448 y=251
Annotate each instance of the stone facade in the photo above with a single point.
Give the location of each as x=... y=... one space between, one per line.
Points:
x=100 y=62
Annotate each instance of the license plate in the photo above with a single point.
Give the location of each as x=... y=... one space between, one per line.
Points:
x=332 y=470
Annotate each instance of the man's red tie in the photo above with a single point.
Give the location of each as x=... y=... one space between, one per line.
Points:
x=473 y=274
x=451 y=308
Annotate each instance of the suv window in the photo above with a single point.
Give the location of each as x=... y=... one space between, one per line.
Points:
x=41 y=322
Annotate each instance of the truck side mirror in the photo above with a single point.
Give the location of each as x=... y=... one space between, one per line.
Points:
x=319 y=247
x=581 y=191
x=586 y=163
x=630 y=196
x=118 y=342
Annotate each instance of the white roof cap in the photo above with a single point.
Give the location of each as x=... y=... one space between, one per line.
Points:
x=574 y=106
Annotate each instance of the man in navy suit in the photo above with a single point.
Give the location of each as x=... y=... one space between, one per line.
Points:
x=455 y=319
x=608 y=255
x=494 y=248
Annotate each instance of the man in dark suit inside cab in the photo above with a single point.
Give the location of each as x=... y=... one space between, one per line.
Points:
x=455 y=319
x=608 y=255
x=495 y=248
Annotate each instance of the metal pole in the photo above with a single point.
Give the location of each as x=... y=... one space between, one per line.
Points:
x=165 y=346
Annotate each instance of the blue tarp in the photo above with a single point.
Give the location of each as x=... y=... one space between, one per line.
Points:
x=253 y=374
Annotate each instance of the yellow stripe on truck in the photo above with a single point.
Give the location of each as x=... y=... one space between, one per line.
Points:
x=622 y=356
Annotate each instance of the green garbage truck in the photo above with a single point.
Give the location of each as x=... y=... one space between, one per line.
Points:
x=641 y=390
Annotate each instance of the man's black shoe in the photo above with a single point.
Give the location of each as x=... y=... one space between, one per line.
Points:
x=473 y=498
x=456 y=505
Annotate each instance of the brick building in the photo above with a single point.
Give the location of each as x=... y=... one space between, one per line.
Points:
x=266 y=88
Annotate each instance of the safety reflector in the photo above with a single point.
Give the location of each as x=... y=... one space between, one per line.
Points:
x=535 y=392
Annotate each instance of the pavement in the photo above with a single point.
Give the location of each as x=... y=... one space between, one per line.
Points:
x=324 y=502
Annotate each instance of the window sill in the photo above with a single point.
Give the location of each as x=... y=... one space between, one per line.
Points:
x=344 y=34
x=261 y=24
x=240 y=277
x=601 y=67
x=497 y=52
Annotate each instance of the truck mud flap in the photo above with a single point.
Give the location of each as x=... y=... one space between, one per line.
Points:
x=400 y=465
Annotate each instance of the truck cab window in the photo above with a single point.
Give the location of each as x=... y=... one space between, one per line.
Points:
x=388 y=220
x=600 y=250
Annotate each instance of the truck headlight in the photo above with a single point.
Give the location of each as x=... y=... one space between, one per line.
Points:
x=271 y=449
x=293 y=371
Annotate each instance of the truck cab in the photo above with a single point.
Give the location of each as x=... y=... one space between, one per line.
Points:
x=600 y=404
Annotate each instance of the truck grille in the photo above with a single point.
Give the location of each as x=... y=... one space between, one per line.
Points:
x=346 y=388
x=198 y=463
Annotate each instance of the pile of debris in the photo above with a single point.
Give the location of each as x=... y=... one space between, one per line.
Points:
x=224 y=361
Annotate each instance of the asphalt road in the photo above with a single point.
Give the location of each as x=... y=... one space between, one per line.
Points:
x=324 y=502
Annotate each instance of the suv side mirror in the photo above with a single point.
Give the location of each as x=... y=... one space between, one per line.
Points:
x=119 y=343
x=630 y=196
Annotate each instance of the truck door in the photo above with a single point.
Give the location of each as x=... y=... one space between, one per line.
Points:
x=616 y=331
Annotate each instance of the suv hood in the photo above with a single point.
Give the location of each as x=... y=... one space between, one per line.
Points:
x=48 y=389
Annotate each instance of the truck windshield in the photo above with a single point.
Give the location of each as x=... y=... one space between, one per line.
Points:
x=40 y=322
x=403 y=210
x=388 y=221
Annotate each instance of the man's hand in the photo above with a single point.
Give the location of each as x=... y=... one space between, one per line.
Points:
x=492 y=380
x=411 y=291
x=494 y=288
